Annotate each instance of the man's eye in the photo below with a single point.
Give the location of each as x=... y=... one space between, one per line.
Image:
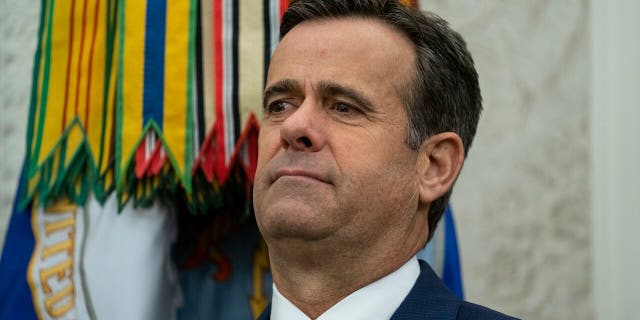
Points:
x=344 y=108
x=278 y=107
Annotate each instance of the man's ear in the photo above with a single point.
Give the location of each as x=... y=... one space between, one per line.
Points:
x=441 y=157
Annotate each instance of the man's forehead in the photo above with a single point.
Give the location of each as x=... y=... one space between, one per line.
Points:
x=338 y=28
x=343 y=47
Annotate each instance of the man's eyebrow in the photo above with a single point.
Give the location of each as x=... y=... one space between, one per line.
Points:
x=279 y=87
x=333 y=89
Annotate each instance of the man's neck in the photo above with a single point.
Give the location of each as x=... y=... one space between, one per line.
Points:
x=376 y=300
x=314 y=282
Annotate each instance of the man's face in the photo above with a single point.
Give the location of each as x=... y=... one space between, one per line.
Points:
x=332 y=160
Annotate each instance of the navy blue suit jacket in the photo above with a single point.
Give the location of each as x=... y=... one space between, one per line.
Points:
x=431 y=299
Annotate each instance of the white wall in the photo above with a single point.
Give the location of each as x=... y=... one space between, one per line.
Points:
x=523 y=201
x=615 y=88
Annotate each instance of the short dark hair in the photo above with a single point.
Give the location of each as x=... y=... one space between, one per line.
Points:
x=443 y=95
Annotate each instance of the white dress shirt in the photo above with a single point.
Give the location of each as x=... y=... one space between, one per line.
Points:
x=378 y=300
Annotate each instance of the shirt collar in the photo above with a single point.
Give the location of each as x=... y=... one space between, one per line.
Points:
x=377 y=300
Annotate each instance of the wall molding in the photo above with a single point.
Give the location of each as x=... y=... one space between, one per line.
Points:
x=615 y=157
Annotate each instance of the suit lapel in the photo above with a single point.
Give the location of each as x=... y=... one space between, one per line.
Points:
x=428 y=299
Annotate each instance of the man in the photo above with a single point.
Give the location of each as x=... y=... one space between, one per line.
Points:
x=369 y=109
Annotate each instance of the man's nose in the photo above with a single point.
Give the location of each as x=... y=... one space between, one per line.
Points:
x=302 y=130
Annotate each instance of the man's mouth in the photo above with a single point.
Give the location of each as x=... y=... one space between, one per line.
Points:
x=299 y=173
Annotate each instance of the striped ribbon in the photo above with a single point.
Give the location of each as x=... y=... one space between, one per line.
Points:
x=238 y=40
x=156 y=94
x=115 y=103
x=69 y=117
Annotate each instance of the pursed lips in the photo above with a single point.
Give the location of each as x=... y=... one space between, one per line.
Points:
x=298 y=172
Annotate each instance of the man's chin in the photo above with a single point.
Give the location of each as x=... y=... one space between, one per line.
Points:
x=298 y=222
x=302 y=235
